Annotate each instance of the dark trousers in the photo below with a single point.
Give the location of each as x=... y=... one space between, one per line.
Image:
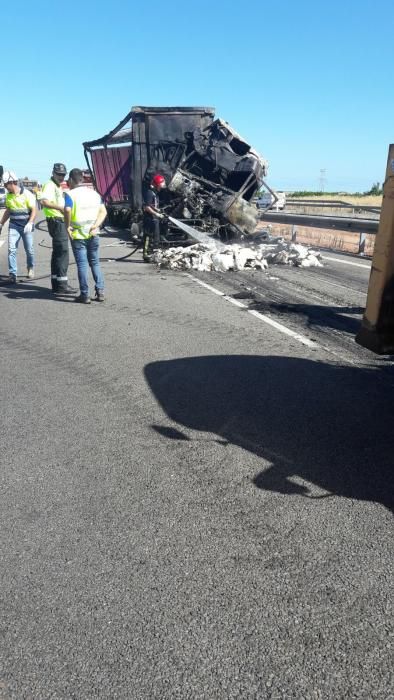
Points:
x=151 y=237
x=59 y=259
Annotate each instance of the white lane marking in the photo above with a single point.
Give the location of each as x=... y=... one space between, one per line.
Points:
x=284 y=329
x=207 y=286
x=235 y=302
x=1 y=243
x=279 y=327
x=346 y=262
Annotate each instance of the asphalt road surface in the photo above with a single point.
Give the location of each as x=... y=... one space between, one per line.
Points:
x=195 y=503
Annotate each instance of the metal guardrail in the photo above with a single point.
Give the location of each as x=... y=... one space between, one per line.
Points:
x=331 y=204
x=336 y=223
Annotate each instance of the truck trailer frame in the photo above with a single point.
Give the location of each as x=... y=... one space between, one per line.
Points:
x=212 y=173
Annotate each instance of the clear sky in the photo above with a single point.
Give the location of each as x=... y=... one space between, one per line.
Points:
x=308 y=84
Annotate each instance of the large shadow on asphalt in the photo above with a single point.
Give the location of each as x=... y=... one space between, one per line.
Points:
x=330 y=425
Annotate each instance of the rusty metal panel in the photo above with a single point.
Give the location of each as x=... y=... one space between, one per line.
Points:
x=377 y=330
x=111 y=167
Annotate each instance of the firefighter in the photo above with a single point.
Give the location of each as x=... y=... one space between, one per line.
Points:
x=20 y=211
x=52 y=200
x=152 y=217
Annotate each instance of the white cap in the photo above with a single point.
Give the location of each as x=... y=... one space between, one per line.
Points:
x=9 y=176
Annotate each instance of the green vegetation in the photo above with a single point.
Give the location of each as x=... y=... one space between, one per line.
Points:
x=376 y=189
x=314 y=193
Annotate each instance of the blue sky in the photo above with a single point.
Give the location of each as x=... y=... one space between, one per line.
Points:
x=308 y=84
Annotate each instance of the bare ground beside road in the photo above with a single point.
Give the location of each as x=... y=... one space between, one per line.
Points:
x=194 y=504
x=322 y=238
x=367 y=200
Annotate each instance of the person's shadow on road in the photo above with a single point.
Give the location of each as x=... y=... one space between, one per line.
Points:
x=28 y=290
x=326 y=424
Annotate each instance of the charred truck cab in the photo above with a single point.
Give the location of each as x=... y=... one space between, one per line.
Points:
x=211 y=173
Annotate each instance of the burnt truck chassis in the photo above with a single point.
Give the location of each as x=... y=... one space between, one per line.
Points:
x=212 y=174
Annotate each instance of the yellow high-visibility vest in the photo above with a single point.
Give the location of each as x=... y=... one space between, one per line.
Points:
x=20 y=205
x=85 y=207
x=53 y=193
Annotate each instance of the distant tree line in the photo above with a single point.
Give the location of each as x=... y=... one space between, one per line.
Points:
x=376 y=189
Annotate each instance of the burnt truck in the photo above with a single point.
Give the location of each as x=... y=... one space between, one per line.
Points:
x=212 y=174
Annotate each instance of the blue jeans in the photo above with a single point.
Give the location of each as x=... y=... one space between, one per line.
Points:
x=87 y=252
x=15 y=234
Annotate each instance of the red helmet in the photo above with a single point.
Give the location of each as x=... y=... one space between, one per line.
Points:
x=157 y=180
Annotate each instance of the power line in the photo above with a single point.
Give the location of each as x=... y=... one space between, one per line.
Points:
x=323 y=179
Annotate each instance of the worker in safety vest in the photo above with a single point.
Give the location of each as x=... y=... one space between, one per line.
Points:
x=84 y=213
x=52 y=201
x=20 y=211
x=152 y=216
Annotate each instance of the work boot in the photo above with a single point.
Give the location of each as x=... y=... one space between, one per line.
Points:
x=62 y=289
x=30 y=273
x=82 y=299
x=99 y=295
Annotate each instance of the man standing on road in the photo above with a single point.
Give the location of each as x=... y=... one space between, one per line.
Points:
x=20 y=211
x=52 y=200
x=152 y=216
x=84 y=213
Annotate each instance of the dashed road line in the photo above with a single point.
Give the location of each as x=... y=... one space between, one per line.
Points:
x=284 y=329
x=234 y=301
x=262 y=317
x=207 y=286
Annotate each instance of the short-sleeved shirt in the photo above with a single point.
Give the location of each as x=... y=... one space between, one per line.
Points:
x=53 y=193
x=68 y=202
x=20 y=205
x=151 y=199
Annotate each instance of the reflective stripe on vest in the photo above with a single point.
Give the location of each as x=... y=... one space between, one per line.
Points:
x=19 y=207
x=86 y=204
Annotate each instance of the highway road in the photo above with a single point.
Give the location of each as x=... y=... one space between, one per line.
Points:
x=196 y=492
x=325 y=305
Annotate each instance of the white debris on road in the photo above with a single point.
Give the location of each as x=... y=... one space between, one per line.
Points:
x=208 y=257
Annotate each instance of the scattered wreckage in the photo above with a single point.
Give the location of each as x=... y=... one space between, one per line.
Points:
x=208 y=257
x=212 y=173
x=212 y=176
